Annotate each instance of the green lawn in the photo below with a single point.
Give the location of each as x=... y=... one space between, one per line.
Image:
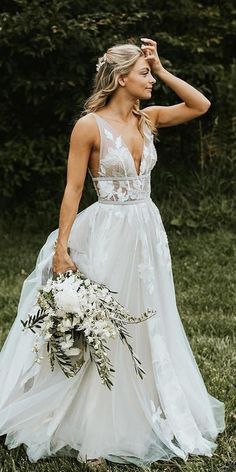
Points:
x=205 y=288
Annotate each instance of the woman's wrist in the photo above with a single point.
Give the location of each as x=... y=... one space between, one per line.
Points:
x=158 y=70
x=60 y=245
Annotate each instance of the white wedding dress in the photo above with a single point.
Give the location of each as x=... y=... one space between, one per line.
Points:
x=120 y=241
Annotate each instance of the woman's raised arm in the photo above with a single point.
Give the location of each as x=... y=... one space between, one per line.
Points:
x=194 y=102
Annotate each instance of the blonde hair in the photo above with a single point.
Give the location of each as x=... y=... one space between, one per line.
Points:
x=116 y=61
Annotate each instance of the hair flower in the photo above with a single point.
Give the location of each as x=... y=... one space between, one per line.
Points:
x=101 y=61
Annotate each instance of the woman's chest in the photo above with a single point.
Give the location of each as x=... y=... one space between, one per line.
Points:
x=112 y=155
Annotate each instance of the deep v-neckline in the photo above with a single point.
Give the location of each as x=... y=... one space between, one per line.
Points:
x=126 y=146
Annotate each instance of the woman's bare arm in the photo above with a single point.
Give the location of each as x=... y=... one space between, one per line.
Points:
x=81 y=144
x=194 y=102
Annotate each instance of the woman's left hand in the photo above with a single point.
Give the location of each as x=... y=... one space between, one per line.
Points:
x=149 y=49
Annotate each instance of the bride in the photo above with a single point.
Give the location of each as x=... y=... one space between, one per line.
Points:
x=119 y=241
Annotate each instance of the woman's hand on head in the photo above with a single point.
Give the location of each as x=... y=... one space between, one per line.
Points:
x=149 y=49
x=62 y=262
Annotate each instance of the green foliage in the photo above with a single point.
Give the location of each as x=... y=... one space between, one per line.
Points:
x=48 y=52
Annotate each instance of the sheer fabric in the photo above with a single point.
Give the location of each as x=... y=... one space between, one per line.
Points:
x=120 y=241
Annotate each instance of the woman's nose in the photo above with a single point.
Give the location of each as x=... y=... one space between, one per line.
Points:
x=152 y=80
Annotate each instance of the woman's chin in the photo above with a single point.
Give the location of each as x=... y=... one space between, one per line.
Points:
x=147 y=95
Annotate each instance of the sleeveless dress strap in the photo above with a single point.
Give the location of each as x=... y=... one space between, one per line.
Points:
x=101 y=133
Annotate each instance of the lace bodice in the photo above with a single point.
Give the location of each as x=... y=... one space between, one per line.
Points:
x=118 y=180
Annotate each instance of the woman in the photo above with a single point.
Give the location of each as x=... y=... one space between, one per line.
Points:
x=119 y=241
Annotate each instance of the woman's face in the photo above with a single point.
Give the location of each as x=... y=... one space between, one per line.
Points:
x=139 y=81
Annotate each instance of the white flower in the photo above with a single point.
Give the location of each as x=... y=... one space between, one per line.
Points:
x=73 y=351
x=67 y=300
x=47 y=325
x=47 y=336
x=69 y=282
x=67 y=344
x=92 y=297
x=106 y=334
x=104 y=292
x=101 y=61
x=87 y=327
x=48 y=287
x=65 y=325
x=100 y=325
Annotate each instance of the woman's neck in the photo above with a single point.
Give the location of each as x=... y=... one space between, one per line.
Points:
x=120 y=110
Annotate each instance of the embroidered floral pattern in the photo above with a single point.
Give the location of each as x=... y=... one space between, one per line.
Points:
x=146 y=273
x=122 y=190
x=159 y=418
x=117 y=163
x=118 y=151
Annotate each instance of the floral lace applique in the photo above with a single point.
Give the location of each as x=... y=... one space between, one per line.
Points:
x=117 y=152
x=117 y=163
x=146 y=273
x=108 y=134
x=106 y=188
x=123 y=190
x=161 y=421
x=162 y=248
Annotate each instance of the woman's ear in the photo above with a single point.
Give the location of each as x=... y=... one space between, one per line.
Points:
x=121 y=81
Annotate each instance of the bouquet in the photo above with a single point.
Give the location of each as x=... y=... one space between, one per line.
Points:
x=74 y=314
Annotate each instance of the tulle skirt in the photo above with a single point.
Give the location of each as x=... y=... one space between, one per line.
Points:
x=167 y=413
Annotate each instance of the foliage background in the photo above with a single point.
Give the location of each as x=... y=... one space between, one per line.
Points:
x=48 y=52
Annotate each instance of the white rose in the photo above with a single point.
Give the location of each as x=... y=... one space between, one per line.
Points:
x=67 y=300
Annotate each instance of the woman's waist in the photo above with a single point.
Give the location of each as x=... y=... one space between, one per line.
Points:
x=122 y=178
x=122 y=190
x=125 y=202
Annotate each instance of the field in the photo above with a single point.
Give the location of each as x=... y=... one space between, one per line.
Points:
x=205 y=288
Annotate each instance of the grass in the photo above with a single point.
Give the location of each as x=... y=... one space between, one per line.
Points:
x=205 y=290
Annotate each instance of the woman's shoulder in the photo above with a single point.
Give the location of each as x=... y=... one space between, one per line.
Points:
x=151 y=112
x=85 y=122
x=85 y=128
